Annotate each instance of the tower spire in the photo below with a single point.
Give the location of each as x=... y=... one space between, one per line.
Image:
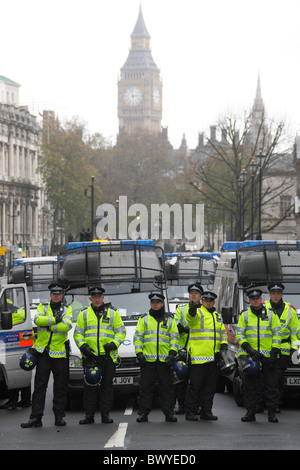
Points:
x=258 y=101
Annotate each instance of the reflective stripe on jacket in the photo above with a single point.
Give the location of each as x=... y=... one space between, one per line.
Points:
x=207 y=333
x=180 y=317
x=261 y=334
x=96 y=331
x=155 y=339
x=289 y=328
x=52 y=335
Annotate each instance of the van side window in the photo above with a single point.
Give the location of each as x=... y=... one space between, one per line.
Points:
x=13 y=300
x=235 y=303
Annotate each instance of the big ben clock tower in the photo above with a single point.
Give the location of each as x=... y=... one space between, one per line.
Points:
x=140 y=87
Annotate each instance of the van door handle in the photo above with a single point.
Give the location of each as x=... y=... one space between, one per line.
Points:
x=27 y=335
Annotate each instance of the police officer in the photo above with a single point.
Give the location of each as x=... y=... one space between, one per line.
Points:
x=156 y=345
x=53 y=321
x=195 y=290
x=289 y=324
x=98 y=334
x=207 y=337
x=258 y=334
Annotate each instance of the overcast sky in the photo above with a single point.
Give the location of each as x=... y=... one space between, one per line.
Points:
x=67 y=55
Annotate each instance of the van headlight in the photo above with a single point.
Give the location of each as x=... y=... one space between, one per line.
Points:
x=75 y=361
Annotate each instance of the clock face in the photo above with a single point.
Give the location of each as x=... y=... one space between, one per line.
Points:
x=133 y=96
x=156 y=96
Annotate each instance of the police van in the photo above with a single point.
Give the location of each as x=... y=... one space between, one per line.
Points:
x=128 y=271
x=15 y=336
x=256 y=263
x=183 y=269
x=37 y=273
x=25 y=288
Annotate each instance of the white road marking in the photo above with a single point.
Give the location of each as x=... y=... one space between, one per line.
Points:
x=118 y=438
x=128 y=411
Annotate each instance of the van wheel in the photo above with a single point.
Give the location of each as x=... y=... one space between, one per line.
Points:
x=237 y=387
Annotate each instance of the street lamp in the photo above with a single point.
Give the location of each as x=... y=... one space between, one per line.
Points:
x=253 y=166
x=241 y=184
x=92 y=206
x=260 y=156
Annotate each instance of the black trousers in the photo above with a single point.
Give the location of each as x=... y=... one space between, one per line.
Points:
x=60 y=369
x=149 y=373
x=265 y=385
x=282 y=364
x=102 y=393
x=202 y=387
x=180 y=392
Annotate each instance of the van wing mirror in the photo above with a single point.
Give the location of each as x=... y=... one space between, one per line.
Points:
x=6 y=321
x=227 y=315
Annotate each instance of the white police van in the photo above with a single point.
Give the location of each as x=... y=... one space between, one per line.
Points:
x=183 y=269
x=256 y=263
x=16 y=336
x=37 y=273
x=128 y=271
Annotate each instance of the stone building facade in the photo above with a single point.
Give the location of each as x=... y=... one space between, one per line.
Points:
x=23 y=212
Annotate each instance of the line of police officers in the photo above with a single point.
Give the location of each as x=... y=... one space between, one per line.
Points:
x=267 y=334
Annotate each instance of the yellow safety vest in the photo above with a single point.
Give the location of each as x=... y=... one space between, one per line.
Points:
x=96 y=331
x=289 y=328
x=52 y=335
x=207 y=333
x=180 y=317
x=261 y=334
x=155 y=339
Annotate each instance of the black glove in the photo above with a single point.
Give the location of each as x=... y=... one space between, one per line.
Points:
x=86 y=350
x=224 y=347
x=171 y=358
x=141 y=358
x=58 y=314
x=256 y=356
x=110 y=347
x=273 y=358
x=182 y=329
x=193 y=309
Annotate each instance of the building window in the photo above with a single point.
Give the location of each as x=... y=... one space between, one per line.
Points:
x=285 y=206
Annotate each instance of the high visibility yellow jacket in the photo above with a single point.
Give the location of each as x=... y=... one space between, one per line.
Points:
x=289 y=328
x=51 y=334
x=96 y=331
x=155 y=339
x=261 y=334
x=207 y=333
x=180 y=317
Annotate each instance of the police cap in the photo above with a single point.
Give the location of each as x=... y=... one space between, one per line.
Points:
x=196 y=286
x=95 y=290
x=56 y=288
x=209 y=296
x=156 y=296
x=276 y=287
x=254 y=293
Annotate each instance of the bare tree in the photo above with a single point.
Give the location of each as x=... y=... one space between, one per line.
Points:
x=228 y=175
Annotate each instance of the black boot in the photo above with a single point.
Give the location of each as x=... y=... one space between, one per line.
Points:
x=89 y=419
x=32 y=423
x=208 y=416
x=170 y=418
x=106 y=418
x=190 y=416
x=249 y=416
x=142 y=418
x=59 y=421
x=272 y=417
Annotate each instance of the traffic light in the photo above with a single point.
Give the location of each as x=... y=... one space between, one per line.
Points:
x=20 y=249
